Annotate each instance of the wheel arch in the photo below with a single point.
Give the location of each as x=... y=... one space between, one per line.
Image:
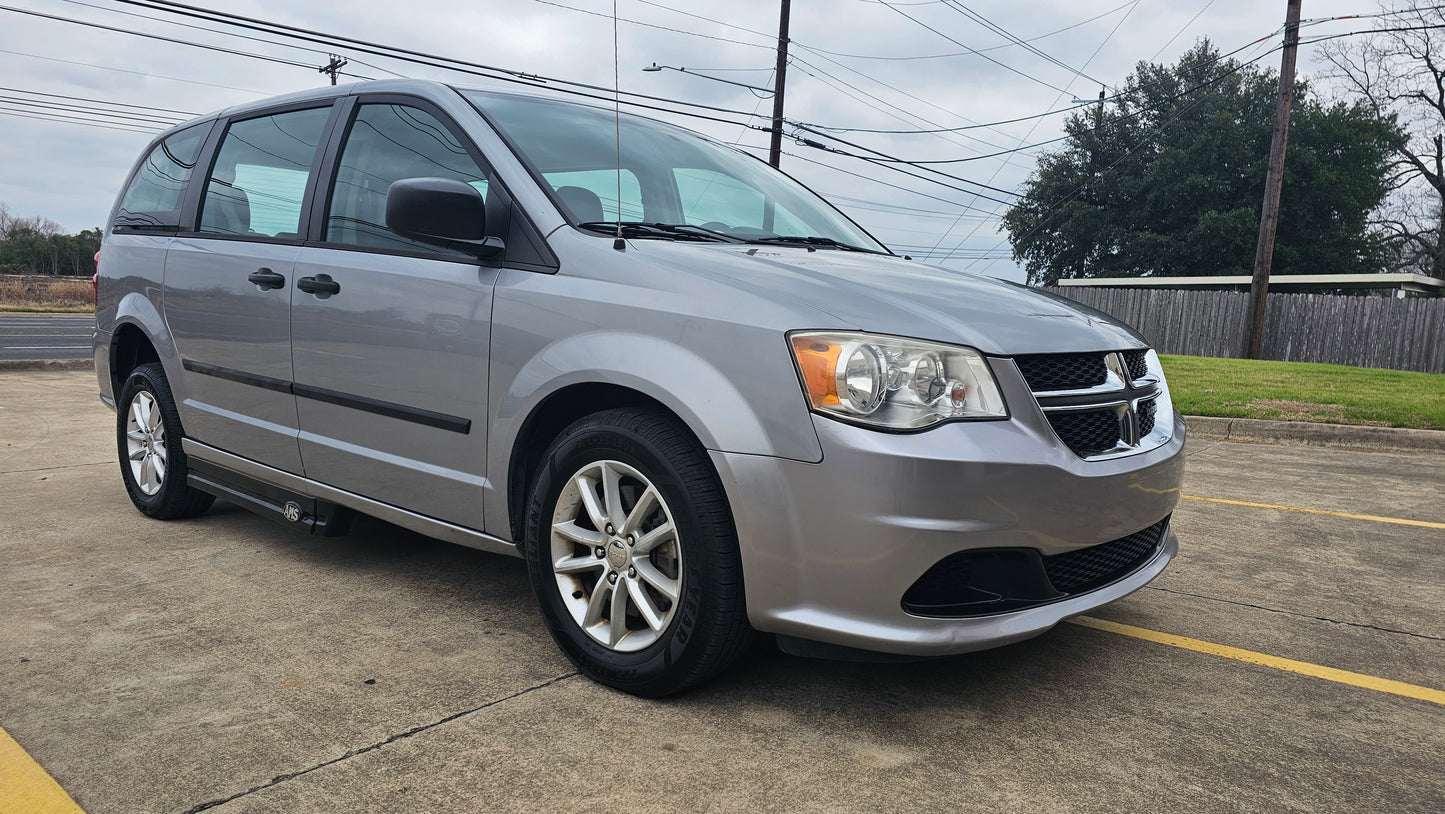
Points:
x=138 y=335
x=130 y=347
x=549 y=418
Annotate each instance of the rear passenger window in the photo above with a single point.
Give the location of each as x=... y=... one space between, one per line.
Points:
x=153 y=198
x=258 y=183
x=388 y=143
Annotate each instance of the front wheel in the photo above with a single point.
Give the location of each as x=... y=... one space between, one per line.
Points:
x=148 y=435
x=633 y=554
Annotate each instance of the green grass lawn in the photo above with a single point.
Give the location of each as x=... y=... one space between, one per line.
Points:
x=1302 y=391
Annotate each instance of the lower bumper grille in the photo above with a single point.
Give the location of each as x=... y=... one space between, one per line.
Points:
x=1097 y=566
x=997 y=580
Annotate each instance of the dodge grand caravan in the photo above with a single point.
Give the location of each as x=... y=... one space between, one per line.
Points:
x=696 y=398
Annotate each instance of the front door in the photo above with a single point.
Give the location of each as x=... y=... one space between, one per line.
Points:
x=390 y=347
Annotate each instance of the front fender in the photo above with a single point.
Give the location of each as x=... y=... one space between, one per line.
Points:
x=755 y=416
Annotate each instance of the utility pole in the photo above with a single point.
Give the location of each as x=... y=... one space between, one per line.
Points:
x=776 y=150
x=1274 y=178
x=333 y=67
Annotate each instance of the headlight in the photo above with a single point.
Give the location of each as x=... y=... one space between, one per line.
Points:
x=894 y=383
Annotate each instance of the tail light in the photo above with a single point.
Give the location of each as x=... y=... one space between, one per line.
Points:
x=95 y=280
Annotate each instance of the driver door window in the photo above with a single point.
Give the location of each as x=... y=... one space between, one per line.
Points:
x=388 y=143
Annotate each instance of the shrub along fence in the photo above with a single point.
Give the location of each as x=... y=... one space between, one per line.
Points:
x=1381 y=332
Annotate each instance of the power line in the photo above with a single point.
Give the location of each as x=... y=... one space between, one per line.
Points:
x=1120 y=95
x=857 y=93
x=887 y=208
x=656 y=26
x=141 y=118
x=187 y=114
x=1035 y=126
x=890 y=162
x=1181 y=30
x=222 y=33
x=1050 y=209
x=1001 y=31
x=1054 y=207
x=971 y=52
x=75 y=120
x=939 y=128
x=218 y=48
x=881 y=182
x=1125 y=117
x=421 y=58
x=976 y=52
x=135 y=73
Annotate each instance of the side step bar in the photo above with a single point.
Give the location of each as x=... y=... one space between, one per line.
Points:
x=268 y=491
x=318 y=517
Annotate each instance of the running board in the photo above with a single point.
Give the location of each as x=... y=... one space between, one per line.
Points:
x=316 y=516
x=279 y=482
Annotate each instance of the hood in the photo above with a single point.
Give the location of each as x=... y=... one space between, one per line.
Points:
x=890 y=295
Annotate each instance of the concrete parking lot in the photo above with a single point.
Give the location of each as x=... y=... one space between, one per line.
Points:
x=227 y=663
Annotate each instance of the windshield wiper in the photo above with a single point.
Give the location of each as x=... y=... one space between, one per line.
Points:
x=811 y=240
x=660 y=231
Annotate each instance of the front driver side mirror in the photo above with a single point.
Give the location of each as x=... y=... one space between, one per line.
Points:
x=442 y=211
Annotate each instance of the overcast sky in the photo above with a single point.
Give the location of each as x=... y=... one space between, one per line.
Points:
x=917 y=79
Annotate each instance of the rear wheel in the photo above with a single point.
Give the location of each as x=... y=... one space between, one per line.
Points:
x=634 y=556
x=148 y=436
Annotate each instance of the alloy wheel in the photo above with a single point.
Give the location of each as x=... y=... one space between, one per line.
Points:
x=145 y=435
x=616 y=556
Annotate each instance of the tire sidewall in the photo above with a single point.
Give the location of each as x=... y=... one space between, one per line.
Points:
x=676 y=647
x=148 y=378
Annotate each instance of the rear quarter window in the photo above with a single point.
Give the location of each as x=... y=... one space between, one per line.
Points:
x=153 y=198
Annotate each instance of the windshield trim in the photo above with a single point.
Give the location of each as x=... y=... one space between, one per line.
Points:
x=467 y=95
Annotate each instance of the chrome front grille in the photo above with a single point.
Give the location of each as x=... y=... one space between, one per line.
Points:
x=1100 y=405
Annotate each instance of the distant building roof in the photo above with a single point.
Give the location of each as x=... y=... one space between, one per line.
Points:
x=1411 y=283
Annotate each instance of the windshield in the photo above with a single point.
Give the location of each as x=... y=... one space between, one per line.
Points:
x=670 y=178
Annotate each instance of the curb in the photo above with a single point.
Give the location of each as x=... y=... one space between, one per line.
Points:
x=8 y=365
x=1308 y=434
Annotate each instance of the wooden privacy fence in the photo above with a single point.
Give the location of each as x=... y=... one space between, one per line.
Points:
x=1381 y=332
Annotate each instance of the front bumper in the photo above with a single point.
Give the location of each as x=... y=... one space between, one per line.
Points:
x=829 y=549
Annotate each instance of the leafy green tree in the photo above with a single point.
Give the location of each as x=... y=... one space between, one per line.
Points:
x=1167 y=179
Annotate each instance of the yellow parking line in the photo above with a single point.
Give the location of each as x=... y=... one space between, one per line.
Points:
x=1396 y=520
x=1290 y=665
x=25 y=788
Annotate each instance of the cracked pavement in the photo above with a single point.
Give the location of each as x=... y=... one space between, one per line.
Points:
x=229 y=664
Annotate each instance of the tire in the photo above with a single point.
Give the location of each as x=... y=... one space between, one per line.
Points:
x=148 y=440
x=641 y=473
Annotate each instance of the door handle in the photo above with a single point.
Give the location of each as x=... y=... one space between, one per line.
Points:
x=266 y=279
x=321 y=285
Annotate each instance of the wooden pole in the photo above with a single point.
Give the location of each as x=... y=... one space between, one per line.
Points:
x=1274 y=178
x=775 y=151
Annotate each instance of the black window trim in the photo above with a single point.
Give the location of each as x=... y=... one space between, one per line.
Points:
x=134 y=228
x=195 y=193
x=502 y=215
x=316 y=236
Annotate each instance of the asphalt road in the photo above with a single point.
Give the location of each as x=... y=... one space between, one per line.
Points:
x=227 y=663
x=45 y=337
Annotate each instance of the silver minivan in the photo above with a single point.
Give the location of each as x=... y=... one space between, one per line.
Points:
x=699 y=401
